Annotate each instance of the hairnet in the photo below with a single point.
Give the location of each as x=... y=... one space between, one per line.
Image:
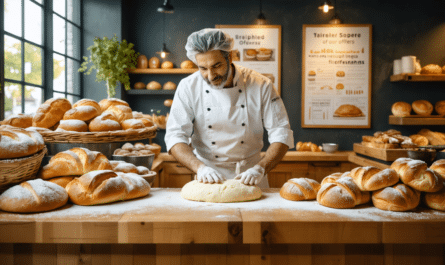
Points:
x=207 y=40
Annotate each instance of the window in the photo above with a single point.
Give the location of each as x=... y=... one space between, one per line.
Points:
x=40 y=61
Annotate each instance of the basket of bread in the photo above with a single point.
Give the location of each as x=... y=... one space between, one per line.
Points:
x=21 y=153
x=87 y=121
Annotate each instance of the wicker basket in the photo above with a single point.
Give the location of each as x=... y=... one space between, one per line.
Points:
x=17 y=170
x=97 y=137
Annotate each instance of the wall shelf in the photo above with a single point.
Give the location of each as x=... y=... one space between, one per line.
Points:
x=421 y=120
x=162 y=71
x=417 y=78
x=150 y=92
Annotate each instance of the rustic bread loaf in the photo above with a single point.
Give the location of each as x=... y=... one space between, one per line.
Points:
x=342 y=194
x=397 y=198
x=76 y=161
x=300 y=189
x=417 y=175
x=17 y=142
x=18 y=120
x=132 y=124
x=371 y=178
x=419 y=140
x=33 y=196
x=83 y=113
x=105 y=122
x=422 y=107
x=50 y=112
x=434 y=138
x=308 y=146
x=106 y=103
x=121 y=112
x=439 y=167
x=73 y=125
x=401 y=109
x=88 y=102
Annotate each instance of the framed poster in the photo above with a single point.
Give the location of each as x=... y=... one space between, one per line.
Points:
x=336 y=76
x=257 y=47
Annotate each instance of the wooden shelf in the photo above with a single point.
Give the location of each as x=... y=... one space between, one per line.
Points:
x=150 y=92
x=421 y=120
x=380 y=153
x=416 y=78
x=365 y=162
x=163 y=71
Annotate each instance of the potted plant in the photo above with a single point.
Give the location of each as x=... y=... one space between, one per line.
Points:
x=111 y=59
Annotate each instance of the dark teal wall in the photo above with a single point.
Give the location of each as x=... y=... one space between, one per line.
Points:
x=399 y=28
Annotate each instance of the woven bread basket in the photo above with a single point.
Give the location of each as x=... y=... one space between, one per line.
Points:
x=97 y=137
x=17 y=170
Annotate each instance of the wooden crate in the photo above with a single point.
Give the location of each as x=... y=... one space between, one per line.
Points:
x=380 y=153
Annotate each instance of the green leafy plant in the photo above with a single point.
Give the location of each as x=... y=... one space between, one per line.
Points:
x=111 y=59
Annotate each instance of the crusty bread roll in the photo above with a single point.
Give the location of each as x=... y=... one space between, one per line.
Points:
x=139 y=146
x=187 y=64
x=416 y=174
x=401 y=109
x=153 y=85
x=17 y=142
x=419 y=140
x=62 y=181
x=347 y=110
x=88 y=102
x=342 y=194
x=334 y=177
x=439 y=167
x=108 y=102
x=434 y=138
x=128 y=146
x=397 y=198
x=76 y=161
x=18 y=120
x=121 y=112
x=83 y=113
x=431 y=69
x=167 y=65
x=155 y=148
x=50 y=112
x=308 y=146
x=371 y=178
x=440 y=107
x=73 y=125
x=422 y=107
x=33 y=196
x=105 y=122
x=300 y=189
x=132 y=124
x=169 y=86
x=122 y=166
x=435 y=200
x=105 y=186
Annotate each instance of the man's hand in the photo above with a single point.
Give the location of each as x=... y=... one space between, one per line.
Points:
x=252 y=176
x=207 y=174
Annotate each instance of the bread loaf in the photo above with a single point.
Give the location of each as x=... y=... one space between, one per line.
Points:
x=439 y=167
x=167 y=65
x=397 y=198
x=76 y=161
x=105 y=122
x=146 y=122
x=308 y=146
x=422 y=107
x=433 y=69
x=401 y=109
x=17 y=142
x=434 y=138
x=106 y=103
x=73 y=125
x=33 y=196
x=88 y=102
x=19 y=120
x=105 y=186
x=348 y=110
x=132 y=124
x=50 y=112
x=419 y=140
x=124 y=167
x=342 y=194
x=62 y=181
x=435 y=200
x=334 y=177
x=440 y=107
x=187 y=64
x=83 y=113
x=300 y=189
x=121 y=112
x=371 y=178
x=416 y=174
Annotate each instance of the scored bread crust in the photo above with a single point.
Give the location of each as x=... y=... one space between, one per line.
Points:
x=88 y=102
x=104 y=122
x=342 y=194
x=50 y=112
x=17 y=142
x=417 y=175
x=372 y=178
x=121 y=112
x=299 y=189
x=132 y=124
x=108 y=102
x=18 y=120
x=398 y=198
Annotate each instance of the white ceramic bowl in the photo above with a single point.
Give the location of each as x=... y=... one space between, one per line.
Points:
x=330 y=147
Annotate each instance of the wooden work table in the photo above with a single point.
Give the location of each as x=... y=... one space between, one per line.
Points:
x=163 y=228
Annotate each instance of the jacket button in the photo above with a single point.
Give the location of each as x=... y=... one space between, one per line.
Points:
x=243 y=124
x=213 y=143
x=240 y=90
x=242 y=142
x=242 y=106
x=208 y=109
x=216 y=156
x=207 y=91
x=210 y=126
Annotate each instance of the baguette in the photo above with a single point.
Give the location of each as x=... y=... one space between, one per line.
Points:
x=76 y=161
x=299 y=189
x=417 y=175
x=397 y=198
x=33 y=196
x=342 y=194
x=106 y=186
x=372 y=178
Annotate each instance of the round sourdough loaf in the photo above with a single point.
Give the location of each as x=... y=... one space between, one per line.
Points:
x=401 y=109
x=229 y=191
x=422 y=107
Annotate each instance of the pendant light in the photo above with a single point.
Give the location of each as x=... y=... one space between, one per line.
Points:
x=164 y=52
x=166 y=8
x=261 y=19
x=326 y=6
x=335 y=18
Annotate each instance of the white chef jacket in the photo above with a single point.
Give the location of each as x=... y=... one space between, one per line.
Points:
x=225 y=125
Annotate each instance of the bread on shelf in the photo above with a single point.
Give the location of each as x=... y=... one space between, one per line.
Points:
x=439 y=107
x=299 y=189
x=439 y=167
x=397 y=198
x=308 y=146
x=431 y=69
x=422 y=107
x=401 y=109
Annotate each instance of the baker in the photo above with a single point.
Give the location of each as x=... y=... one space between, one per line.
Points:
x=219 y=113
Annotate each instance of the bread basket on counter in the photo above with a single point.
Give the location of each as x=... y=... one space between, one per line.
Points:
x=17 y=170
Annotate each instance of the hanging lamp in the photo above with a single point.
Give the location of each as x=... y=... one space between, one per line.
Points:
x=166 y=8
x=335 y=18
x=261 y=19
x=164 y=52
x=326 y=6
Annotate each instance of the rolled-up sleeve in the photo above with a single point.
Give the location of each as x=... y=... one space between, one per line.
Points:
x=275 y=118
x=180 y=121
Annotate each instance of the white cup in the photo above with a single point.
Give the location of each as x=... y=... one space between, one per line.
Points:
x=397 y=67
x=409 y=64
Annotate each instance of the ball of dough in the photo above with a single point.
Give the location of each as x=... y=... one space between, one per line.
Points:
x=167 y=65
